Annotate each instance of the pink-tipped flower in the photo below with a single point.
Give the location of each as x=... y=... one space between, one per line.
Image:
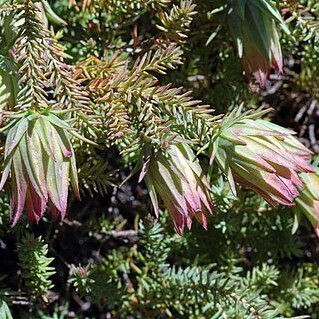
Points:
x=308 y=200
x=253 y=24
x=176 y=175
x=262 y=156
x=40 y=160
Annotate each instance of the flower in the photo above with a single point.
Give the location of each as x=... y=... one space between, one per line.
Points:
x=262 y=156
x=40 y=160
x=176 y=175
x=308 y=200
x=253 y=25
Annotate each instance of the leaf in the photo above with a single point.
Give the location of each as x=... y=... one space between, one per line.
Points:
x=15 y=134
x=82 y=138
x=57 y=177
x=36 y=158
x=41 y=127
x=152 y=191
x=64 y=142
x=23 y=149
x=74 y=177
x=57 y=122
x=6 y=171
x=19 y=189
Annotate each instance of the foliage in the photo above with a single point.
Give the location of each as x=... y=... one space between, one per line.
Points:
x=158 y=89
x=35 y=265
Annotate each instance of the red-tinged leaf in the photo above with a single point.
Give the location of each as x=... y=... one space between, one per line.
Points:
x=144 y=169
x=301 y=164
x=36 y=158
x=290 y=185
x=178 y=218
x=293 y=145
x=207 y=204
x=54 y=144
x=270 y=152
x=246 y=155
x=62 y=171
x=202 y=219
x=261 y=30
x=268 y=182
x=74 y=177
x=192 y=198
x=63 y=142
x=255 y=188
x=19 y=188
x=35 y=205
x=23 y=148
x=233 y=137
x=245 y=130
x=168 y=183
x=6 y=170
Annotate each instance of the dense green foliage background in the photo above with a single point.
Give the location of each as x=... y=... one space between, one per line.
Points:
x=110 y=258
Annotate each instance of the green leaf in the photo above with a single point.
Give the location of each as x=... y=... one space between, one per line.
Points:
x=41 y=127
x=57 y=178
x=74 y=177
x=57 y=122
x=15 y=134
x=152 y=192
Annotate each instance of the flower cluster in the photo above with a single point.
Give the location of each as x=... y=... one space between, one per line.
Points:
x=264 y=157
x=175 y=174
x=253 y=24
x=40 y=159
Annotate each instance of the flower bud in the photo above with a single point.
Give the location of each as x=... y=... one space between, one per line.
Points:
x=40 y=160
x=253 y=24
x=264 y=157
x=176 y=175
